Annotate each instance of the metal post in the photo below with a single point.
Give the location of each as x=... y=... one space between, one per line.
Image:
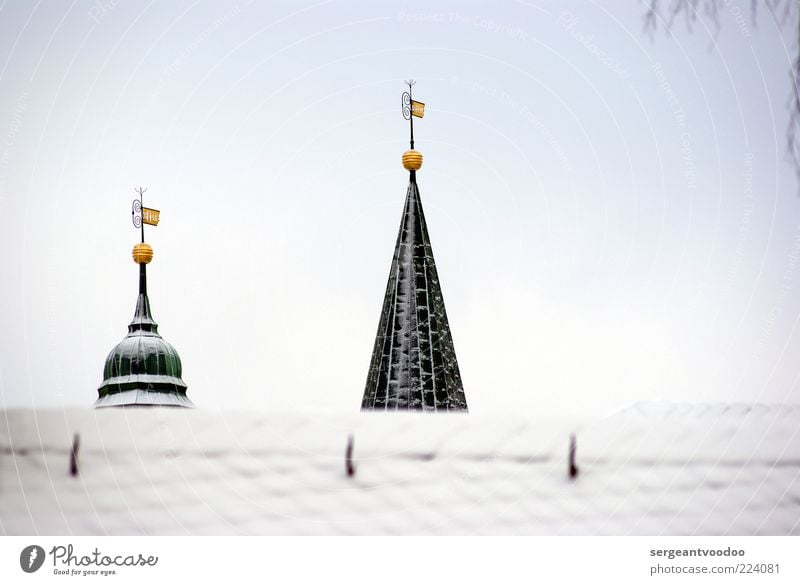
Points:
x=573 y=468
x=348 y=458
x=73 y=457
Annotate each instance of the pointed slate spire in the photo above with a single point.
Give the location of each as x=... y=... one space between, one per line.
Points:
x=414 y=365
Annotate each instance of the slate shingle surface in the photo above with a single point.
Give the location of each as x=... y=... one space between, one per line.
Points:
x=413 y=365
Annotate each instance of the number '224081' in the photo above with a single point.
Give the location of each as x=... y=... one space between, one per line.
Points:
x=745 y=568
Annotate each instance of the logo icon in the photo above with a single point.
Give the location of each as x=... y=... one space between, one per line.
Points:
x=31 y=558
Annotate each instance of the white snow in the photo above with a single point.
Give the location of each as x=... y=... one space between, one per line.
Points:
x=652 y=468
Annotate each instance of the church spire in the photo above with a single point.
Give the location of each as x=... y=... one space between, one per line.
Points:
x=143 y=369
x=413 y=365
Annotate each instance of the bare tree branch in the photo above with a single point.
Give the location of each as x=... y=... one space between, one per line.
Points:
x=792 y=138
x=785 y=12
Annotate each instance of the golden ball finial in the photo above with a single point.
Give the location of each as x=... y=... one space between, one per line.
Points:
x=412 y=160
x=142 y=253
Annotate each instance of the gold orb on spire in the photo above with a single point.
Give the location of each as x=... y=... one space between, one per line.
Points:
x=142 y=253
x=412 y=160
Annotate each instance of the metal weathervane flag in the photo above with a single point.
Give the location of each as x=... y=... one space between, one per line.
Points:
x=417 y=109
x=150 y=216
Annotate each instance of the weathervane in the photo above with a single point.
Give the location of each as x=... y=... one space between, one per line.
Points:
x=141 y=215
x=411 y=108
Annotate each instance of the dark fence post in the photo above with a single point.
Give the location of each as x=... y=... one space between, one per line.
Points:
x=573 y=468
x=73 y=458
x=348 y=458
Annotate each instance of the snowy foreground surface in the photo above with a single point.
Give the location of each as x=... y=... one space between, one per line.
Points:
x=652 y=468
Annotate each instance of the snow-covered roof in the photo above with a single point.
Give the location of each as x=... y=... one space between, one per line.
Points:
x=651 y=468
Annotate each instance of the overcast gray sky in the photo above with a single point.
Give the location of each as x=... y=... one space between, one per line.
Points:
x=613 y=215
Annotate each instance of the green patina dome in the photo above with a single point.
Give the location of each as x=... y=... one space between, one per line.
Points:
x=143 y=369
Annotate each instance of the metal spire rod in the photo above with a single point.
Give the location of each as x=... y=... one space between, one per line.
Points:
x=138 y=208
x=140 y=191
x=407 y=108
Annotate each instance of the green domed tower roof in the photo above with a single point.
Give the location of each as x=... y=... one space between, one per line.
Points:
x=143 y=369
